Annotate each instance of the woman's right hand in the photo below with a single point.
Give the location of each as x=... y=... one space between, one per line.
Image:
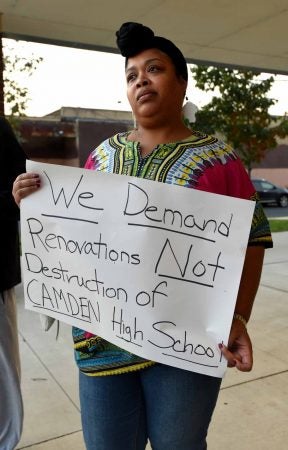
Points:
x=24 y=185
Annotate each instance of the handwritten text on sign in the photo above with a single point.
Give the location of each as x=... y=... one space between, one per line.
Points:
x=150 y=267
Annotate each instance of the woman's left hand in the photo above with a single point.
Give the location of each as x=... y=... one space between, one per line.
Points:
x=239 y=352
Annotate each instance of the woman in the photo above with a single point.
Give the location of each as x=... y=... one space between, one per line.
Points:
x=125 y=399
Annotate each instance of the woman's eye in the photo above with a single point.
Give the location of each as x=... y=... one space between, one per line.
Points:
x=153 y=69
x=131 y=77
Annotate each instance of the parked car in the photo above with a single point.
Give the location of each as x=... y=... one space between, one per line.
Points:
x=270 y=193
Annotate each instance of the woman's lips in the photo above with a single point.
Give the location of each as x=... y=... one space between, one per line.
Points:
x=145 y=95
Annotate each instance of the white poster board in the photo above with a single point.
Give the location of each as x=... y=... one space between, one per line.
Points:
x=150 y=267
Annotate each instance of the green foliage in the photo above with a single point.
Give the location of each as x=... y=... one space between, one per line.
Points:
x=239 y=111
x=16 y=95
x=278 y=225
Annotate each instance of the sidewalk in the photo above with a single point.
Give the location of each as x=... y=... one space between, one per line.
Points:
x=252 y=408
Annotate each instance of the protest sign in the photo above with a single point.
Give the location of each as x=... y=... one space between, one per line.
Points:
x=150 y=267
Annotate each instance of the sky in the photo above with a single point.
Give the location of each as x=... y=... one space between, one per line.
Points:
x=90 y=79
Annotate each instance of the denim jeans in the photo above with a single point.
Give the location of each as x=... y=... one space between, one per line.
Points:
x=171 y=407
x=11 y=407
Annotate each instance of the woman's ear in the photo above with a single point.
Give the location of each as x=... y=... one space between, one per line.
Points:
x=184 y=84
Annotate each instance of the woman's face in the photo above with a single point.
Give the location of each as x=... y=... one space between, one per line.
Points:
x=153 y=88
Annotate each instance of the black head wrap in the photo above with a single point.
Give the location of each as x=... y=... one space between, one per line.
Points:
x=133 y=38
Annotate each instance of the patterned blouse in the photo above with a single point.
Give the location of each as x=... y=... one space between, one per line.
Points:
x=199 y=162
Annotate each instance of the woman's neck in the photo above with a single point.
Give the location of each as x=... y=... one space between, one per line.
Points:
x=150 y=137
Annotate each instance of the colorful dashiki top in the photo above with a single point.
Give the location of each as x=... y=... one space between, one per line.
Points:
x=200 y=162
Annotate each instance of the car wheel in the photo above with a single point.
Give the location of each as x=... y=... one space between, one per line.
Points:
x=283 y=201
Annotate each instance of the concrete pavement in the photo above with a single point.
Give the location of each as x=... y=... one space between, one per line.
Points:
x=252 y=409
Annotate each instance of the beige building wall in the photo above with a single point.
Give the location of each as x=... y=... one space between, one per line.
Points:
x=277 y=176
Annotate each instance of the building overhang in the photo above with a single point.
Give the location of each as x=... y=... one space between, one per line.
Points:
x=245 y=34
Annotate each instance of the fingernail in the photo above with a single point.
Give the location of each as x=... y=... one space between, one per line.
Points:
x=220 y=346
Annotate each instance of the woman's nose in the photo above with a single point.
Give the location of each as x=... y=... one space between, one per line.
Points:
x=142 y=81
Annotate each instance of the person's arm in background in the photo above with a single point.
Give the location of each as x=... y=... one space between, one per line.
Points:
x=12 y=163
x=239 y=350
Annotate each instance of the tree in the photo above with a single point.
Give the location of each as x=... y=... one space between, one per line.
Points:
x=16 y=95
x=239 y=111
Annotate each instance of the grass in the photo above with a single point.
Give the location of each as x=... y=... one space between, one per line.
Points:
x=278 y=225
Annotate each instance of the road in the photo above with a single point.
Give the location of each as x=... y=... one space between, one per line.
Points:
x=275 y=211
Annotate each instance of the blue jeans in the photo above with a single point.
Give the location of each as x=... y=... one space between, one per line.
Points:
x=11 y=407
x=171 y=407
